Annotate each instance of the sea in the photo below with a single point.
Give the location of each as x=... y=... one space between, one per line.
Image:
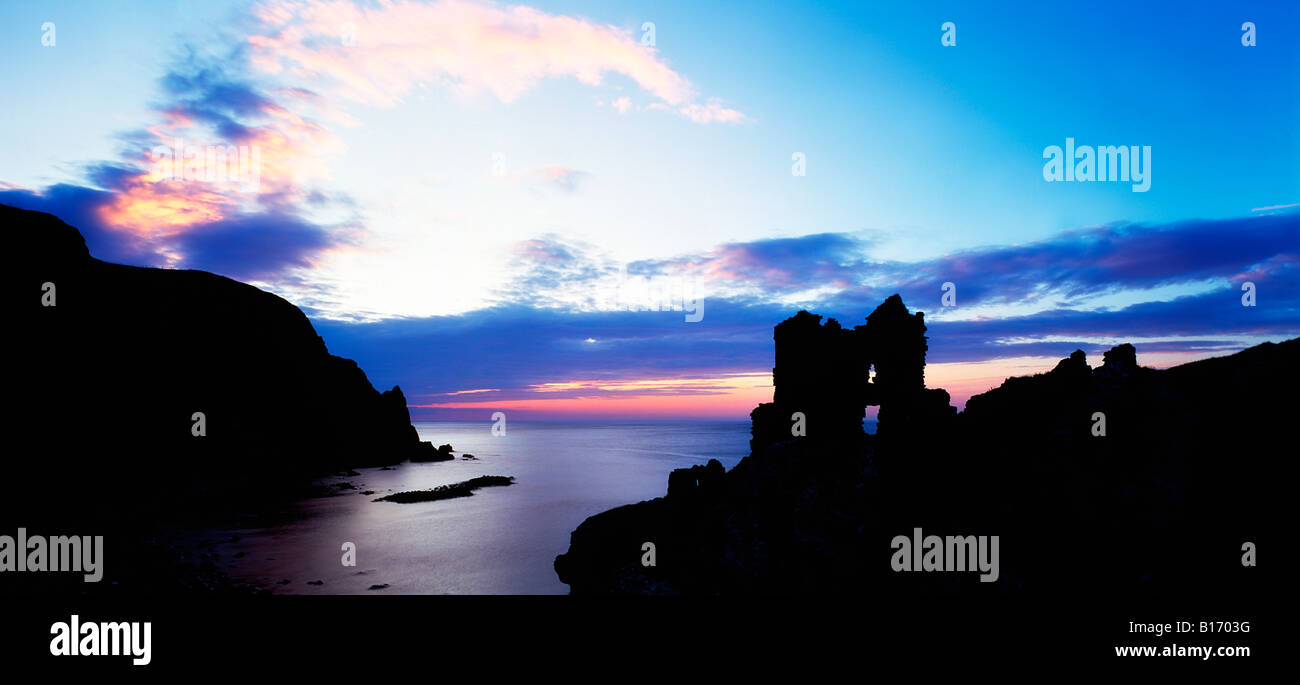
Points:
x=500 y=540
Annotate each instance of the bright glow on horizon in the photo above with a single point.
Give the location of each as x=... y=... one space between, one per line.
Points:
x=731 y=396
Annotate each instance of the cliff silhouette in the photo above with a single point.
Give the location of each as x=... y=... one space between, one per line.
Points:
x=1158 y=506
x=107 y=383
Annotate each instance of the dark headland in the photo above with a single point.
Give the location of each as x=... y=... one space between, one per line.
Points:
x=107 y=385
x=1160 y=506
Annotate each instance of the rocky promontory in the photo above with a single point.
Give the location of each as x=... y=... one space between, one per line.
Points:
x=1109 y=481
x=172 y=390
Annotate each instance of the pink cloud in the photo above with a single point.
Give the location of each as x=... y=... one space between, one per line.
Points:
x=711 y=112
x=380 y=53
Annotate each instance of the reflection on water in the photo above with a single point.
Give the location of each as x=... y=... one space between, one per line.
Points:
x=502 y=540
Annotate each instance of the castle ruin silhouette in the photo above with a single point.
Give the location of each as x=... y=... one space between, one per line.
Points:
x=831 y=375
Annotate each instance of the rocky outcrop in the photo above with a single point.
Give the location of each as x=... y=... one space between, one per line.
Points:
x=450 y=491
x=427 y=453
x=183 y=388
x=826 y=376
x=1112 y=481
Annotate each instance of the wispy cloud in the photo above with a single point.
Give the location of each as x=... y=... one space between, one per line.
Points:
x=1066 y=269
x=277 y=94
x=551 y=177
x=713 y=111
x=378 y=54
x=186 y=217
x=542 y=348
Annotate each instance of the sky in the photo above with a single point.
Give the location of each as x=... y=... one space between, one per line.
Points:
x=599 y=210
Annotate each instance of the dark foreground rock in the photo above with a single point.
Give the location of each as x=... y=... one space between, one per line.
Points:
x=461 y=489
x=428 y=453
x=142 y=391
x=1159 y=506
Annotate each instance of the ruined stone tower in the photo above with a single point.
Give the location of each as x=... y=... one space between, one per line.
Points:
x=894 y=344
x=825 y=373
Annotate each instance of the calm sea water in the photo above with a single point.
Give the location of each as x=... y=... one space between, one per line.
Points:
x=502 y=540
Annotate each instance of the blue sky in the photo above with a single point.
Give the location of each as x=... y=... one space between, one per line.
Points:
x=447 y=187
